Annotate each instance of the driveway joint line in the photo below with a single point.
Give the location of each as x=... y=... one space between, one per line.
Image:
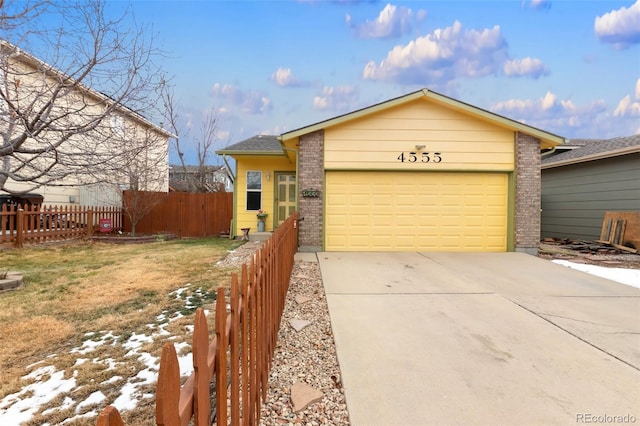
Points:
x=575 y=335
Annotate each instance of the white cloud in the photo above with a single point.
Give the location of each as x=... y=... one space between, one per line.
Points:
x=627 y=108
x=537 y=4
x=551 y=114
x=341 y=98
x=531 y=67
x=283 y=77
x=393 y=21
x=251 y=101
x=619 y=27
x=439 y=57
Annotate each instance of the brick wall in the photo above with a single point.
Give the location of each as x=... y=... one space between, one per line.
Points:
x=311 y=176
x=527 y=203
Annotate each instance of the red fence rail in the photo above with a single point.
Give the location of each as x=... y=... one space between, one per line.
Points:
x=37 y=224
x=241 y=351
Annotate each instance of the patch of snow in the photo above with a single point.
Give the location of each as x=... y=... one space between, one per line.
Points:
x=113 y=379
x=630 y=277
x=24 y=404
x=95 y=398
x=136 y=340
x=66 y=403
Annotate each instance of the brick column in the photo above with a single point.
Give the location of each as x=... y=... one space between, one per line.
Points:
x=527 y=203
x=311 y=176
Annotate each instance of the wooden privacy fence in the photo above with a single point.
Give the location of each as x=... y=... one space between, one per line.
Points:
x=241 y=352
x=186 y=214
x=42 y=223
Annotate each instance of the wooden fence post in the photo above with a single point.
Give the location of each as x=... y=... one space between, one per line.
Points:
x=201 y=401
x=90 y=223
x=235 y=352
x=20 y=228
x=221 y=358
x=168 y=389
x=110 y=417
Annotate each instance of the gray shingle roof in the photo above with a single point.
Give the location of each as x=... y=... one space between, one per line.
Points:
x=588 y=148
x=266 y=144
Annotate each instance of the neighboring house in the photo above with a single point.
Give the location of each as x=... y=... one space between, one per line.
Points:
x=199 y=179
x=418 y=172
x=142 y=146
x=586 y=178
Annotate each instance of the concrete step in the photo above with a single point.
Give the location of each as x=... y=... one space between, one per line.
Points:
x=259 y=236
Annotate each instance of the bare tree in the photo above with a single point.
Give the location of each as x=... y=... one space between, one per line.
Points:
x=197 y=177
x=57 y=125
x=205 y=149
x=144 y=168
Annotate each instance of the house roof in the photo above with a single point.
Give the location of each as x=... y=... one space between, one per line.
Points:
x=583 y=150
x=547 y=139
x=255 y=145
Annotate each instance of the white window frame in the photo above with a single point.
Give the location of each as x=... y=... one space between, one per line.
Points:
x=253 y=190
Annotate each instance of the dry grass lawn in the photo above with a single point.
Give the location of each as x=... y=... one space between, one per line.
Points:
x=71 y=291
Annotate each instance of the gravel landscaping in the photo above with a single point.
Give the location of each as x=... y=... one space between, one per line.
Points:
x=307 y=356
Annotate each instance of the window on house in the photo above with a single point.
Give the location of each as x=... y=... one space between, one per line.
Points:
x=117 y=124
x=254 y=190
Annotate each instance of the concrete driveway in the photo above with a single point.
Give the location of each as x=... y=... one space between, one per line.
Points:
x=481 y=338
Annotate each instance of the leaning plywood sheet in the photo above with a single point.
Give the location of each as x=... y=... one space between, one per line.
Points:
x=621 y=228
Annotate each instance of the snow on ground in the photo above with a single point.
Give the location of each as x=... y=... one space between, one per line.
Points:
x=625 y=276
x=46 y=383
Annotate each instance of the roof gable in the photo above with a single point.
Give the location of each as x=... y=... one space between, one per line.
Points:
x=547 y=139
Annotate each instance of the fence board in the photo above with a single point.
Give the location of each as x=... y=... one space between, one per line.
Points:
x=186 y=214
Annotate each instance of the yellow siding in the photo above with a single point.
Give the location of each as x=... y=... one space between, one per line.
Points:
x=375 y=141
x=265 y=164
x=416 y=211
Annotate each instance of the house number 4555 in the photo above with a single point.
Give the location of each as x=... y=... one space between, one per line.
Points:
x=422 y=157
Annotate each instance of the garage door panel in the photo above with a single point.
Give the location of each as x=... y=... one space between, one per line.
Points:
x=416 y=211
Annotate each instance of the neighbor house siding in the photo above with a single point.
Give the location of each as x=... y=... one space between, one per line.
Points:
x=375 y=141
x=575 y=197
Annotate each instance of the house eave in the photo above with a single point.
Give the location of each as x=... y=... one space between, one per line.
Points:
x=251 y=153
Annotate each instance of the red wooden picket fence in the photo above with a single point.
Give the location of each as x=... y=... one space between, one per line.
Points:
x=42 y=223
x=241 y=352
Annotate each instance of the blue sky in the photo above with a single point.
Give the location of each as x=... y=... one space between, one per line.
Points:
x=568 y=67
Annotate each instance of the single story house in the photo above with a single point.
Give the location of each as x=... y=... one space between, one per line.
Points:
x=585 y=178
x=421 y=172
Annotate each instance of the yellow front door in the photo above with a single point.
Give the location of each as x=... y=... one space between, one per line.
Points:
x=286 y=196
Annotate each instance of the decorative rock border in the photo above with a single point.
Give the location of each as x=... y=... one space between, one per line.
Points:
x=11 y=282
